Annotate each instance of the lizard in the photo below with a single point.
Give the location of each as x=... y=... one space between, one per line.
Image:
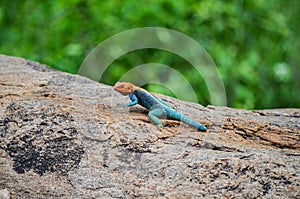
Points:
x=157 y=107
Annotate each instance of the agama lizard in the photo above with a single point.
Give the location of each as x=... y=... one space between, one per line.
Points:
x=157 y=107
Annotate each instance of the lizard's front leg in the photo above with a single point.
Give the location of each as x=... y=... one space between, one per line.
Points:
x=155 y=114
x=133 y=102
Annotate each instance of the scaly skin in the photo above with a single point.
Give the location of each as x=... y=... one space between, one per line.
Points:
x=157 y=107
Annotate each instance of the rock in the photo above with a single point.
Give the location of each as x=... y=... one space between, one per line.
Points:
x=4 y=194
x=65 y=136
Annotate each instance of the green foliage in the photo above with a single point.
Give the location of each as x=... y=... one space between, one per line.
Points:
x=255 y=44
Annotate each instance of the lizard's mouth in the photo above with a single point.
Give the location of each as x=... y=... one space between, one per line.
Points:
x=123 y=92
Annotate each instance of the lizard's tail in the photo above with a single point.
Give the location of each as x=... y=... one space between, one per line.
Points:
x=186 y=119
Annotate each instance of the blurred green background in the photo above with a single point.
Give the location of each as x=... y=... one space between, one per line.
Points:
x=255 y=44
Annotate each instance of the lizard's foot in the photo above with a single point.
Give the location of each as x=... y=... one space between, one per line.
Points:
x=160 y=127
x=123 y=105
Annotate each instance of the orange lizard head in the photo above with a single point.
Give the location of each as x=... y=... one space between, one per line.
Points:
x=125 y=88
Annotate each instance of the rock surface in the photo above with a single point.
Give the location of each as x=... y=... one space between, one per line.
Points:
x=64 y=136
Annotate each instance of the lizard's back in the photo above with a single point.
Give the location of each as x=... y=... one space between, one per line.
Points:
x=147 y=100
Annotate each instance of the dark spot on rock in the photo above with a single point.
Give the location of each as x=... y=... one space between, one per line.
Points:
x=43 y=139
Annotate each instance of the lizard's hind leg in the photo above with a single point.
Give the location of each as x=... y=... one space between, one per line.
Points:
x=154 y=116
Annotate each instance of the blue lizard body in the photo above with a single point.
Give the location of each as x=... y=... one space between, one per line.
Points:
x=156 y=106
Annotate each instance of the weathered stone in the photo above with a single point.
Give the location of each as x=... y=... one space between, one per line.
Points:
x=64 y=136
x=4 y=194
